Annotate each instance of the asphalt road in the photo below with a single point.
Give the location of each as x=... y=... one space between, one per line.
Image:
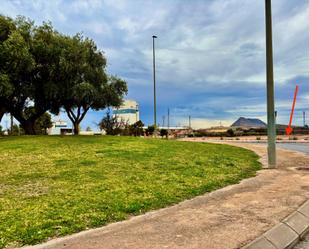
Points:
x=301 y=147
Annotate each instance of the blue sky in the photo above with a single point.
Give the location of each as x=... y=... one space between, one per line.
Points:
x=210 y=53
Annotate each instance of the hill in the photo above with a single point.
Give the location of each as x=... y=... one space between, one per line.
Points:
x=249 y=123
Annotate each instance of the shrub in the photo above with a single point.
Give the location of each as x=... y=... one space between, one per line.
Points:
x=112 y=125
x=16 y=130
x=293 y=138
x=163 y=133
x=150 y=130
x=230 y=133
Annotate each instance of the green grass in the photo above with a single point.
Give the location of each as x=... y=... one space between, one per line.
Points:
x=53 y=186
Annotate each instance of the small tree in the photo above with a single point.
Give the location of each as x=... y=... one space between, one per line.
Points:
x=88 y=128
x=136 y=129
x=111 y=124
x=16 y=130
x=43 y=123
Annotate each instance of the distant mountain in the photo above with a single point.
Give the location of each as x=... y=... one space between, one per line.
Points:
x=249 y=123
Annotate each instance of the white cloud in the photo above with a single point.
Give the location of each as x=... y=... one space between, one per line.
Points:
x=87 y=7
x=214 y=47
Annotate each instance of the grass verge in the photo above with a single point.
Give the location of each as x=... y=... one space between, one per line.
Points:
x=53 y=186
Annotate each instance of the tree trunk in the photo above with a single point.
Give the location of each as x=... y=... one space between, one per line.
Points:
x=28 y=126
x=76 y=128
x=76 y=119
x=2 y=112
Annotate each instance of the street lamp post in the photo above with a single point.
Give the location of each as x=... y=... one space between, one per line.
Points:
x=154 y=82
x=168 y=122
x=271 y=125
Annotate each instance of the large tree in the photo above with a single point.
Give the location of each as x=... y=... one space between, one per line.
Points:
x=44 y=70
x=12 y=61
x=5 y=90
x=29 y=58
x=44 y=84
x=86 y=84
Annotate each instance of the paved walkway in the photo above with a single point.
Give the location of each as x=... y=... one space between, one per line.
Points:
x=304 y=244
x=227 y=218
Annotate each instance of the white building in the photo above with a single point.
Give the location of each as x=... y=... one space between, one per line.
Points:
x=127 y=112
x=60 y=127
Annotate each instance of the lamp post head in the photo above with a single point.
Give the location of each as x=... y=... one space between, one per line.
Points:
x=154 y=36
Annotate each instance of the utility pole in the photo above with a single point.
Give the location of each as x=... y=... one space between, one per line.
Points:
x=189 y=122
x=163 y=119
x=304 y=118
x=136 y=112
x=168 y=122
x=154 y=82
x=271 y=125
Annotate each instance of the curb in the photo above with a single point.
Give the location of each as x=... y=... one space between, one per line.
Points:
x=287 y=233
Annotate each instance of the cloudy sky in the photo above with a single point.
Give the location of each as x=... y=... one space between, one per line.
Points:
x=210 y=53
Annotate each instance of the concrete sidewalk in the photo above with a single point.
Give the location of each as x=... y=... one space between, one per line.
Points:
x=227 y=218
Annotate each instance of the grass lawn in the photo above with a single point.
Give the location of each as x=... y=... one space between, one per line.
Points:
x=52 y=186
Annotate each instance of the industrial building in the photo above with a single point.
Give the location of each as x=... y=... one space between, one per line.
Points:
x=127 y=112
x=60 y=127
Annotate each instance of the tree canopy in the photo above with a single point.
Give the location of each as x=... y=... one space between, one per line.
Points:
x=47 y=71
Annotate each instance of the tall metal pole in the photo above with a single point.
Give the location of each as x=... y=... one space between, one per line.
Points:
x=136 y=110
x=168 y=122
x=189 y=122
x=154 y=82
x=304 y=118
x=271 y=125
